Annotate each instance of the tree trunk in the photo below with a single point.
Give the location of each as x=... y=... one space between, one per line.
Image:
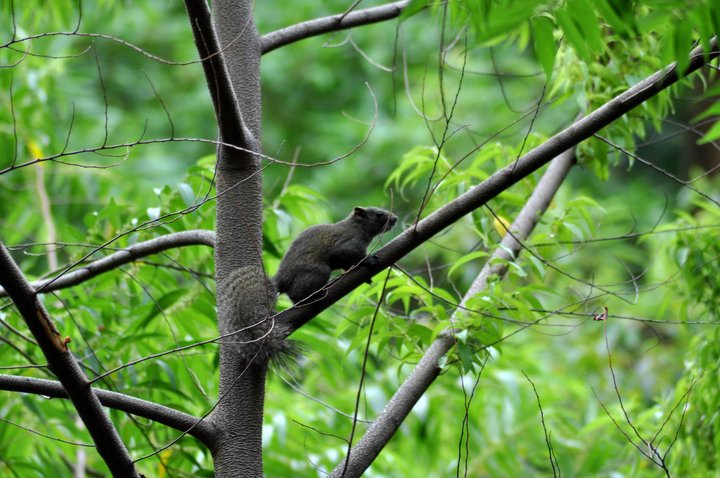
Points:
x=239 y=413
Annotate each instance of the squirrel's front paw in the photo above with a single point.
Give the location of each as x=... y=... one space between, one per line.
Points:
x=372 y=260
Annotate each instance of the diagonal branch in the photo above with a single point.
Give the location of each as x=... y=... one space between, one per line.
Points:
x=124 y=256
x=295 y=317
x=427 y=370
x=227 y=110
x=525 y=222
x=202 y=430
x=63 y=364
x=332 y=23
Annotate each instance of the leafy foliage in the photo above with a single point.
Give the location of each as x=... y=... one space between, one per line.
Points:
x=469 y=88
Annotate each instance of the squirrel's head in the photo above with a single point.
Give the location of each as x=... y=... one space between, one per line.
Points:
x=374 y=219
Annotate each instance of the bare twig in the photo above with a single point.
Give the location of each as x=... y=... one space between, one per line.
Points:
x=658 y=169
x=548 y=442
x=35 y=432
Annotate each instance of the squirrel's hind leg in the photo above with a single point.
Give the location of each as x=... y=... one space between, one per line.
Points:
x=307 y=282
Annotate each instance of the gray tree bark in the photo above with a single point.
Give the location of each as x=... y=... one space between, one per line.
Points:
x=239 y=412
x=229 y=46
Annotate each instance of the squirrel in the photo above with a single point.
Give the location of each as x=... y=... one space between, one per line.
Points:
x=320 y=249
x=250 y=295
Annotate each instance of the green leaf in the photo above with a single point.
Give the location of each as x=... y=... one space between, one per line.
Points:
x=413 y=8
x=572 y=34
x=161 y=304
x=537 y=266
x=610 y=15
x=714 y=110
x=504 y=19
x=518 y=269
x=187 y=194
x=589 y=25
x=545 y=44
x=658 y=19
x=467 y=258
x=490 y=332
x=270 y=248
x=712 y=134
x=703 y=20
x=683 y=43
x=466 y=355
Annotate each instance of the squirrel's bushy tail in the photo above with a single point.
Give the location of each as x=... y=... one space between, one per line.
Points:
x=247 y=297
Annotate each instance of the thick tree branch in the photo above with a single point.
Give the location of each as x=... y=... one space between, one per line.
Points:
x=227 y=110
x=426 y=371
x=239 y=412
x=62 y=363
x=295 y=317
x=341 y=21
x=200 y=429
x=129 y=254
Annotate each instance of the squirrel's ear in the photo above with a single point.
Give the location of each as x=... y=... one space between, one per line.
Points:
x=359 y=211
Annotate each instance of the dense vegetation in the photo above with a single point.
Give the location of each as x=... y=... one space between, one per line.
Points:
x=596 y=355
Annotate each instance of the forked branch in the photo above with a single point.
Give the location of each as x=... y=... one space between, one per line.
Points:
x=227 y=110
x=427 y=370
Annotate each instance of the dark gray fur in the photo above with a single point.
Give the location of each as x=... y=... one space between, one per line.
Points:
x=320 y=249
x=250 y=296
